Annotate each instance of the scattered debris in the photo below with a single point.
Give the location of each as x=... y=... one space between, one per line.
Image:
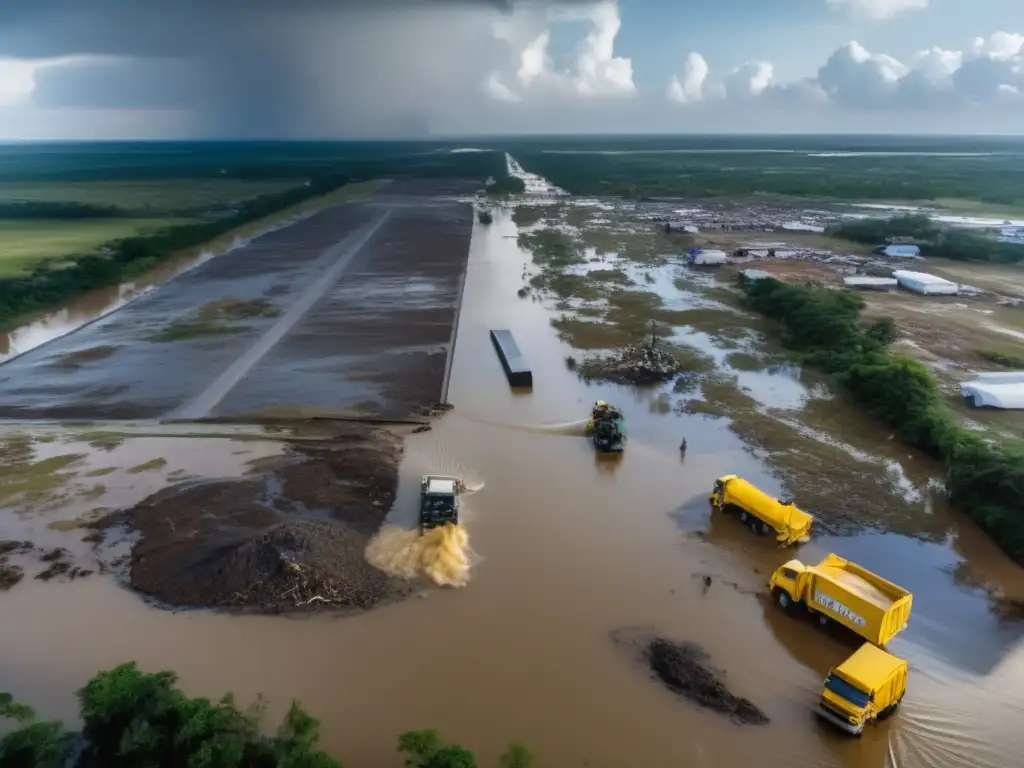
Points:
x=58 y=553
x=647 y=364
x=9 y=576
x=15 y=548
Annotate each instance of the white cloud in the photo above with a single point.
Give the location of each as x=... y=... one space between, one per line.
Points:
x=18 y=76
x=17 y=81
x=688 y=86
x=989 y=74
x=749 y=81
x=498 y=91
x=878 y=9
x=595 y=72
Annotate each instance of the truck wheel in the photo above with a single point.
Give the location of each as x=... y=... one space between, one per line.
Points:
x=744 y=517
x=782 y=599
x=823 y=619
x=762 y=528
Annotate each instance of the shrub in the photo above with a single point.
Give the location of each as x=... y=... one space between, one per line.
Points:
x=985 y=481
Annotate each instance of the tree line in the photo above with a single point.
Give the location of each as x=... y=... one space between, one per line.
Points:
x=69 y=211
x=708 y=173
x=134 y=719
x=933 y=239
x=983 y=479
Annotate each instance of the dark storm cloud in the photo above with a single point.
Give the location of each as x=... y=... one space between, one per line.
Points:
x=269 y=68
x=45 y=28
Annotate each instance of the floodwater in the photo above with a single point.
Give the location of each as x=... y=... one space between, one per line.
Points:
x=570 y=547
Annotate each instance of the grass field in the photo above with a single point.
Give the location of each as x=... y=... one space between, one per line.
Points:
x=143 y=196
x=25 y=243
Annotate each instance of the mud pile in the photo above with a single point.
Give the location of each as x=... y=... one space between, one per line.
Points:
x=683 y=669
x=632 y=365
x=680 y=666
x=291 y=538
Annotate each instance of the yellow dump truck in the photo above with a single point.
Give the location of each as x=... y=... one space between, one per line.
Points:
x=868 y=686
x=760 y=511
x=838 y=590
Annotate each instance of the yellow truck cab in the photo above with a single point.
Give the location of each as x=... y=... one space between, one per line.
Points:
x=760 y=511
x=868 y=686
x=838 y=590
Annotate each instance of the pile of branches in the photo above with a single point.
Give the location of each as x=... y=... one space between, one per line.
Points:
x=646 y=364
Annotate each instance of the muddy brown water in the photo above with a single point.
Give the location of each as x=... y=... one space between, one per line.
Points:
x=569 y=548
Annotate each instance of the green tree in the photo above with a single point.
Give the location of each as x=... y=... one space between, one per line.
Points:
x=517 y=756
x=34 y=744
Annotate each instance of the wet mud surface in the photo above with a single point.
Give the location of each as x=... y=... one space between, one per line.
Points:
x=683 y=668
x=290 y=538
x=357 y=304
x=377 y=343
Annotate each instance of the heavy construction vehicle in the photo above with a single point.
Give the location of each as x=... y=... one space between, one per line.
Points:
x=439 y=502
x=838 y=590
x=607 y=428
x=867 y=687
x=760 y=511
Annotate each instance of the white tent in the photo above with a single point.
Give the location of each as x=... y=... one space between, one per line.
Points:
x=922 y=282
x=996 y=390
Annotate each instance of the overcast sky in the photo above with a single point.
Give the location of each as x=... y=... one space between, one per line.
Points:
x=77 y=69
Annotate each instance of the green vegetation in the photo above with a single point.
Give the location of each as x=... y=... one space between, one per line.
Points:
x=27 y=244
x=837 y=168
x=935 y=240
x=134 y=719
x=983 y=479
x=551 y=249
x=58 y=210
x=1005 y=359
x=151 y=198
x=48 y=286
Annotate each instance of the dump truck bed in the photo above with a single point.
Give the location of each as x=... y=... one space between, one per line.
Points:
x=873 y=607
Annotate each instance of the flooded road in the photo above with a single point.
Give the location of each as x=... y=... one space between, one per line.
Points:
x=569 y=548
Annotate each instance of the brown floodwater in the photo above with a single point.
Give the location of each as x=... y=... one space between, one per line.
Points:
x=566 y=548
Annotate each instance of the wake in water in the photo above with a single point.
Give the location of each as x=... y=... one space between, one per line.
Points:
x=442 y=554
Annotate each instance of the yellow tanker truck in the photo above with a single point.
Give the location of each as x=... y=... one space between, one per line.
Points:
x=838 y=590
x=760 y=511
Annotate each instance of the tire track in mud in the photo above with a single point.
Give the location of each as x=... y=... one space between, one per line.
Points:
x=345 y=251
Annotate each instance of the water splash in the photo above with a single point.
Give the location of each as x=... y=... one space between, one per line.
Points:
x=441 y=554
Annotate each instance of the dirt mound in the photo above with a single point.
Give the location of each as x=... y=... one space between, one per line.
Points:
x=632 y=365
x=292 y=538
x=299 y=563
x=682 y=668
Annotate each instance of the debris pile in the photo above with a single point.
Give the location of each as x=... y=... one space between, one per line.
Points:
x=680 y=667
x=646 y=364
x=301 y=564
